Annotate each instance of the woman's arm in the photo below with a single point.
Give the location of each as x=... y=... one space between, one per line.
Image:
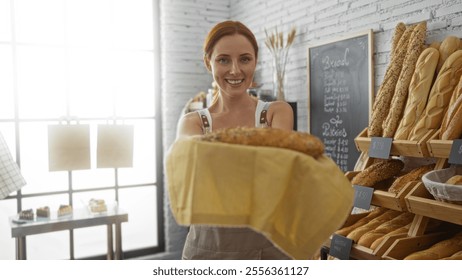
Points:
x=281 y=115
x=189 y=125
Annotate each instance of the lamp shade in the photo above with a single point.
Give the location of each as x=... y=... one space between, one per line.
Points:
x=11 y=179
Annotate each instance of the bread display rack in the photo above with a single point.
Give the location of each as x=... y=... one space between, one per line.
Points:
x=392 y=117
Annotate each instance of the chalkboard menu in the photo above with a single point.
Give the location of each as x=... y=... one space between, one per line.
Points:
x=340 y=93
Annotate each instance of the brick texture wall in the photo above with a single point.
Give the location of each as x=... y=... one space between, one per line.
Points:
x=185 y=23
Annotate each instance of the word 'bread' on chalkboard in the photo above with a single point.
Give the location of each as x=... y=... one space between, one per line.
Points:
x=340 y=93
x=455 y=157
x=380 y=147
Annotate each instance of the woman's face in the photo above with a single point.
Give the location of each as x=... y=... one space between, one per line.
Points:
x=233 y=63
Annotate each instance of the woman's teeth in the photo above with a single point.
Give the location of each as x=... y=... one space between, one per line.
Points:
x=234 y=82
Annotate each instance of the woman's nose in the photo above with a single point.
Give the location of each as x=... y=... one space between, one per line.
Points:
x=235 y=67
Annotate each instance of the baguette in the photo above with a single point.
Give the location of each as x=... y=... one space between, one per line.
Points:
x=398 y=32
x=356 y=234
x=398 y=102
x=269 y=137
x=451 y=126
x=413 y=175
x=379 y=240
x=455 y=256
x=364 y=220
x=401 y=220
x=377 y=172
x=418 y=92
x=448 y=46
x=439 y=97
x=442 y=249
x=385 y=93
x=436 y=45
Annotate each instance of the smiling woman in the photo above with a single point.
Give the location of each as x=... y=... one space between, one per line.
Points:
x=230 y=54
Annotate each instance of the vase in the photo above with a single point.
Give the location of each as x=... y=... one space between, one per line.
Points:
x=278 y=78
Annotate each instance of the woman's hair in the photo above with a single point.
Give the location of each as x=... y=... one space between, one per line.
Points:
x=226 y=28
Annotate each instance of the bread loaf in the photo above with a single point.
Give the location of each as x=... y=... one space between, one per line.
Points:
x=455 y=256
x=439 y=97
x=397 y=33
x=269 y=137
x=377 y=172
x=387 y=88
x=386 y=227
x=419 y=89
x=451 y=126
x=372 y=224
x=439 y=250
x=455 y=180
x=398 y=102
x=413 y=175
x=448 y=46
x=435 y=45
x=380 y=239
x=364 y=220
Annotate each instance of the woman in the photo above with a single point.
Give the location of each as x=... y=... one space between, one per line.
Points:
x=230 y=54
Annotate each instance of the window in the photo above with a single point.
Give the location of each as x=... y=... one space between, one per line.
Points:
x=88 y=62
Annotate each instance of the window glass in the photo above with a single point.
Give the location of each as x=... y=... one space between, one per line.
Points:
x=6 y=82
x=7 y=210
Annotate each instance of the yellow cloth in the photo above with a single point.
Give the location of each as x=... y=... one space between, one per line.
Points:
x=296 y=201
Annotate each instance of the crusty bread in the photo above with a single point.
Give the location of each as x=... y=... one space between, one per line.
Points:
x=436 y=45
x=439 y=97
x=413 y=175
x=356 y=234
x=387 y=88
x=419 y=89
x=449 y=45
x=397 y=33
x=377 y=172
x=380 y=239
x=455 y=256
x=398 y=102
x=364 y=220
x=451 y=126
x=442 y=249
x=386 y=227
x=455 y=180
x=269 y=137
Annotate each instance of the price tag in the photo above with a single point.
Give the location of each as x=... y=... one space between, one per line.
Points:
x=340 y=247
x=363 y=197
x=380 y=147
x=455 y=157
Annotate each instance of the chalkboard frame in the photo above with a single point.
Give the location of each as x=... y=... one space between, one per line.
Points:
x=370 y=69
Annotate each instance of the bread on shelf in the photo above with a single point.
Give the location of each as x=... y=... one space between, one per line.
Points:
x=97 y=205
x=43 y=212
x=64 y=210
x=26 y=215
x=377 y=172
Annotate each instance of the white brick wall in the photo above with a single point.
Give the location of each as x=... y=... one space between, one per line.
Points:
x=185 y=24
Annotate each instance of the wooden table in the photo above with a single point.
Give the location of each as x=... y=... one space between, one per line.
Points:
x=80 y=218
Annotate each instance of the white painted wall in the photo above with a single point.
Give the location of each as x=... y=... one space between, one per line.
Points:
x=185 y=24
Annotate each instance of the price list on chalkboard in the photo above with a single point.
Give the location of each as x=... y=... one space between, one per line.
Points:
x=339 y=96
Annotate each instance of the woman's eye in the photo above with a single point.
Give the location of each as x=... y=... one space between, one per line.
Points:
x=246 y=59
x=222 y=60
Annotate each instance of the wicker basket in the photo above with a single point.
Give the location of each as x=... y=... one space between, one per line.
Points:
x=434 y=182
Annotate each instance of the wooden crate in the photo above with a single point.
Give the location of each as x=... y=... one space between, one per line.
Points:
x=398 y=147
x=439 y=148
x=383 y=198
x=421 y=202
x=402 y=247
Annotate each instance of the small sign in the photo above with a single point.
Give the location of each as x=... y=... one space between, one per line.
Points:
x=340 y=247
x=380 y=147
x=363 y=197
x=455 y=157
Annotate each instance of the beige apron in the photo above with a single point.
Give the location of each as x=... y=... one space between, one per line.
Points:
x=224 y=243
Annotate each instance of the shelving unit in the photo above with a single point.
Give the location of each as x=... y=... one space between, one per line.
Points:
x=413 y=198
